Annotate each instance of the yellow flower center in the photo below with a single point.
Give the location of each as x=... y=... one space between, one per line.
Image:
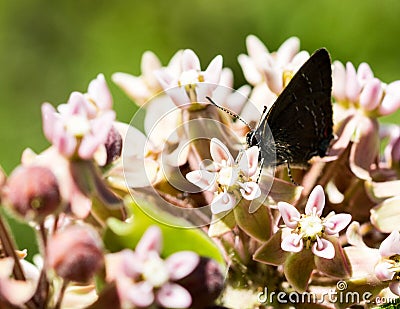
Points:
x=78 y=125
x=311 y=226
x=155 y=272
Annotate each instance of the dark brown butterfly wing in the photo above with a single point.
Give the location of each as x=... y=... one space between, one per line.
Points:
x=300 y=120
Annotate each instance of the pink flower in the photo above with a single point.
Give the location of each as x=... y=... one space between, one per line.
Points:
x=261 y=66
x=143 y=277
x=310 y=229
x=99 y=95
x=142 y=88
x=230 y=180
x=191 y=85
x=361 y=90
x=226 y=96
x=76 y=130
x=389 y=267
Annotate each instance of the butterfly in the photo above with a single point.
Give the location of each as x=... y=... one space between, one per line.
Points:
x=299 y=125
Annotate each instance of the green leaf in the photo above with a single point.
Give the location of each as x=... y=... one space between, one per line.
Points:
x=256 y=224
x=221 y=224
x=271 y=251
x=298 y=268
x=120 y=235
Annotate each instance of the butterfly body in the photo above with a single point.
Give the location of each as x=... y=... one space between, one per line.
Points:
x=298 y=126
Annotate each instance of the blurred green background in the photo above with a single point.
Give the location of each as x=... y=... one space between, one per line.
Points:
x=50 y=48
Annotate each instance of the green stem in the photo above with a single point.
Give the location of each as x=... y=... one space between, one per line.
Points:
x=62 y=293
x=9 y=250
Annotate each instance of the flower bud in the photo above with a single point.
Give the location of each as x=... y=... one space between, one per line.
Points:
x=113 y=145
x=75 y=253
x=204 y=284
x=33 y=192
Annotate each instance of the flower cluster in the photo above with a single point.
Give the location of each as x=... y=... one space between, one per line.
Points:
x=150 y=214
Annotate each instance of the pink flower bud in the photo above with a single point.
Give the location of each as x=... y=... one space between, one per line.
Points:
x=75 y=253
x=33 y=192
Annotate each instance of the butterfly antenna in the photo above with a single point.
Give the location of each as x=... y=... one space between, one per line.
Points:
x=261 y=167
x=228 y=112
x=290 y=174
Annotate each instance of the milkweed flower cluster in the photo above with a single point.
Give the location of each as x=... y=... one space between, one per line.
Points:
x=153 y=213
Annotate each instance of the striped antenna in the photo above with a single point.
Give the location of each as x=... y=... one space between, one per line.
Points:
x=229 y=112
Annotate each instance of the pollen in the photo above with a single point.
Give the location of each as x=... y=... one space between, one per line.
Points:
x=310 y=227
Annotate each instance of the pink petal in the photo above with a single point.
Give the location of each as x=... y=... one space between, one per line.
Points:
x=364 y=72
x=204 y=90
x=299 y=59
x=391 y=245
x=316 y=201
x=100 y=127
x=334 y=224
x=80 y=204
x=383 y=271
x=139 y=294
x=98 y=90
x=238 y=99
x=391 y=100
x=222 y=202
x=395 y=287
x=133 y=86
x=6 y=267
x=255 y=47
x=202 y=178
x=181 y=264
x=190 y=61
x=323 y=248
x=165 y=79
x=289 y=213
x=148 y=65
x=174 y=64
x=17 y=292
x=274 y=79
x=353 y=86
x=78 y=105
x=179 y=96
x=371 y=95
x=250 y=190
x=172 y=295
x=64 y=142
x=49 y=117
x=288 y=50
x=226 y=80
x=339 y=81
x=292 y=243
x=249 y=69
x=120 y=264
x=220 y=153
x=150 y=241
x=213 y=72
x=249 y=161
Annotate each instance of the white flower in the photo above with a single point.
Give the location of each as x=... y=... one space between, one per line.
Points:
x=229 y=179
